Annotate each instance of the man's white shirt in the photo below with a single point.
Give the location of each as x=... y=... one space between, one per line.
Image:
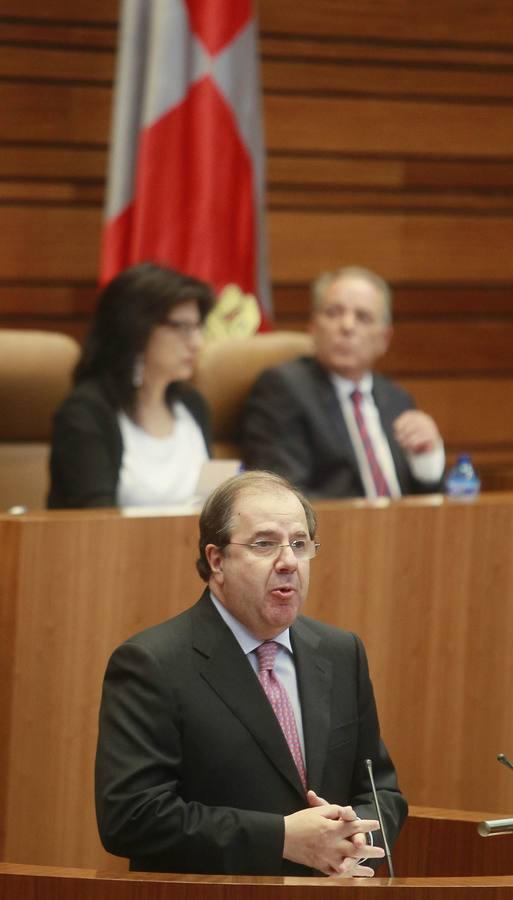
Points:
x=426 y=467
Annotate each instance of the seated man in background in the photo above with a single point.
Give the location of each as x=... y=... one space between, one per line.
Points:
x=233 y=738
x=329 y=423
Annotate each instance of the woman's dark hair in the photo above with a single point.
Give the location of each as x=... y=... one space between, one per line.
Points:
x=129 y=308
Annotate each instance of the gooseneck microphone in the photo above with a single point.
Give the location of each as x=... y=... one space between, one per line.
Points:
x=504 y=760
x=388 y=855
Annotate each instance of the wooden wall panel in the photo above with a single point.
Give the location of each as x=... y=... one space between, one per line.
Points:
x=409 y=247
x=51 y=113
x=347 y=76
x=80 y=12
x=452 y=21
x=389 y=138
x=64 y=241
x=396 y=127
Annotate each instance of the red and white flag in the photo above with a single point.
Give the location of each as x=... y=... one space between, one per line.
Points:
x=186 y=178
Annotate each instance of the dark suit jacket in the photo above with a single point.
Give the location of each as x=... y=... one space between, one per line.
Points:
x=293 y=425
x=193 y=773
x=87 y=447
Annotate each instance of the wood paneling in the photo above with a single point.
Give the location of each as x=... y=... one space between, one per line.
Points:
x=57 y=64
x=449 y=21
x=82 y=11
x=345 y=76
x=477 y=347
x=64 y=242
x=19 y=882
x=18 y=161
x=432 y=623
x=395 y=126
x=394 y=244
x=8 y=586
x=441 y=842
x=69 y=113
x=292 y=45
x=426 y=582
x=49 y=883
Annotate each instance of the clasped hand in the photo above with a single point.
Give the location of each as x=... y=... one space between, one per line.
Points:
x=330 y=838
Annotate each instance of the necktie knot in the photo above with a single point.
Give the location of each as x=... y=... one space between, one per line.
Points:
x=266 y=655
x=356 y=397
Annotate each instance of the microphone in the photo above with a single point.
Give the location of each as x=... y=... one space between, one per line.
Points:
x=388 y=855
x=504 y=760
x=497 y=826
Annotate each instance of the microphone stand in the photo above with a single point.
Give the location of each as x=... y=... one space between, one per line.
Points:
x=388 y=855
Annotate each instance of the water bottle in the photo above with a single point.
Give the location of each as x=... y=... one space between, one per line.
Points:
x=462 y=480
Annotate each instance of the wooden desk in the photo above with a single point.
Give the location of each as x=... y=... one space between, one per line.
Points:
x=19 y=882
x=428 y=583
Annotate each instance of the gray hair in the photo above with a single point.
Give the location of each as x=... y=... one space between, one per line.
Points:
x=325 y=279
x=216 y=519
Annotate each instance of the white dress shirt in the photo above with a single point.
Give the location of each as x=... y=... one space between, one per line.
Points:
x=284 y=667
x=425 y=467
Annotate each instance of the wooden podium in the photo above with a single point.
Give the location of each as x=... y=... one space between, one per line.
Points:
x=433 y=841
x=426 y=582
x=439 y=856
x=39 y=883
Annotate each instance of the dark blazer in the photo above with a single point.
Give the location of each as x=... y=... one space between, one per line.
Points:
x=87 y=447
x=293 y=425
x=193 y=773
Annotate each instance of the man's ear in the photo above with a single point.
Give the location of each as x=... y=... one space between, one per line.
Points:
x=386 y=337
x=215 y=559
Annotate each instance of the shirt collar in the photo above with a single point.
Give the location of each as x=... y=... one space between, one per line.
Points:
x=345 y=387
x=247 y=641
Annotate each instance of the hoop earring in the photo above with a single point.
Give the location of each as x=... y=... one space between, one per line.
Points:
x=138 y=372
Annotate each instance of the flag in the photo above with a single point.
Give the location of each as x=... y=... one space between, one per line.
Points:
x=186 y=174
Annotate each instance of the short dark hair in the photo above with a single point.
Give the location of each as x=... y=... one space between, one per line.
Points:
x=216 y=519
x=129 y=308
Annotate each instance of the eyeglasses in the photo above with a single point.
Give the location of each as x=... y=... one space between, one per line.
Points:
x=185 y=330
x=301 y=548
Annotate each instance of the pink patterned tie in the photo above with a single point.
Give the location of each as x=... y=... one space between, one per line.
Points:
x=280 y=702
x=380 y=482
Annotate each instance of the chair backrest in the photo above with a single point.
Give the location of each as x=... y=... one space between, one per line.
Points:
x=35 y=376
x=226 y=371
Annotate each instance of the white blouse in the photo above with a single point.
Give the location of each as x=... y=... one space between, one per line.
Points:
x=160 y=471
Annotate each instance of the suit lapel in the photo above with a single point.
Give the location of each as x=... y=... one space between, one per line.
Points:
x=224 y=666
x=336 y=431
x=315 y=676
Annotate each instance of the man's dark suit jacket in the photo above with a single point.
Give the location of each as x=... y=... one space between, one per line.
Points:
x=193 y=773
x=293 y=425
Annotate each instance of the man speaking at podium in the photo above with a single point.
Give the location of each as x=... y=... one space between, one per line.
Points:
x=233 y=736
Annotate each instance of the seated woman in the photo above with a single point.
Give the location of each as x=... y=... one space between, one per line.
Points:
x=132 y=433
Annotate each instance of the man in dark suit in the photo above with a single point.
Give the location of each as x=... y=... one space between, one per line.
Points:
x=195 y=771
x=329 y=423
